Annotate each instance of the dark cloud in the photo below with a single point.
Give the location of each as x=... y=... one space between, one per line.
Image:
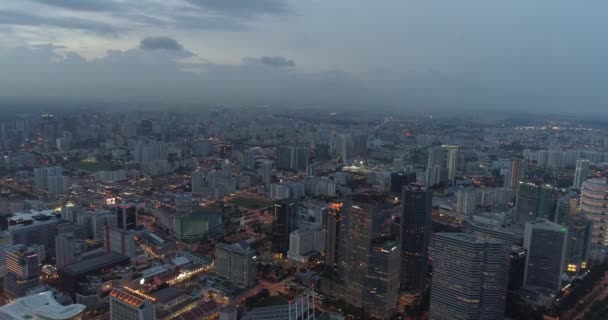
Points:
x=160 y=43
x=82 y=5
x=241 y=7
x=26 y=19
x=275 y=61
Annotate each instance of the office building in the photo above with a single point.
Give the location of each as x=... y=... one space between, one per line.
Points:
x=38 y=233
x=368 y=263
x=22 y=270
x=40 y=306
x=580 y=173
x=332 y=222
x=470 y=277
x=578 y=244
x=401 y=179
x=305 y=243
x=99 y=222
x=535 y=201
x=487 y=229
x=283 y=224
x=68 y=249
x=545 y=244
x=415 y=233
x=121 y=241
x=236 y=263
x=126 y=216
x=301 y=308
x=594 y=206
x=128 y=305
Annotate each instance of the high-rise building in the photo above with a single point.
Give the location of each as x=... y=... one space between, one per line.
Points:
x=451 y=162
x=127 y=305
x=121 y=241
x=265 y=173
x=22 y=266
x=284 y=223
x=333 y=222
x=470 y=277
x=6 y=241
x=321 y=152
x=466 y=201
x=345 y=146
x=68 y=249
x=292 y=158
x=368 y=263
x=126 y=216
x=487 y=229
x=580 y=173
x=436 y=160
x=577 y=245
x=594 y=206
x=148 y=151
x=401 y=179
x=39 y=233
x=514 y=174
x=545 y=244
x=51 y=179
x=304 y=243
x=236 y=262
x=197 y=182
x=100 y=222
x=535 y=201
x=415 y=233
x=359 y=144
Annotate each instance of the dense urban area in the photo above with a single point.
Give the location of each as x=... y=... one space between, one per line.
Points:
x=263 y=213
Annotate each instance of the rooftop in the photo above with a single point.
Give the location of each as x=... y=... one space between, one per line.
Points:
x=39 y=306
x=95 y=263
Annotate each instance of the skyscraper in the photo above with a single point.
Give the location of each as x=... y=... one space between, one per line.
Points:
x=580 y=173
x=514 y=174
x=127 y=305
x=333 y=221
x=416 y=229
x=126 y=216
x=594 y=206
x=197 y=182
x=284 y=223
x=435 y=163
x=470 y=277
x=535 y=201
x=545 y=243
x=466 y=201
x=236 y=262
x=368 y=263
x=451 y=162
x=345 y=146
x=265 y=173
x=292 y=158
x=51 y=179
x=577 y=245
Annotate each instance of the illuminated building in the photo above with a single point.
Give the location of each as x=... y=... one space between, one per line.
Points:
x=5 y=242
x=545 y=243
x=368 y=264
x=40 y=306
x=577 y=246
x=594 y=206
x=333 y=220
x=126 y=216
x=416 y=229
x=127 y=304
x=470 y=277
x=534 y=201
x=22 y=266
x=236 y=262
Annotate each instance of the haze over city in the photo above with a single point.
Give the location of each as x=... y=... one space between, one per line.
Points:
x=438 y=55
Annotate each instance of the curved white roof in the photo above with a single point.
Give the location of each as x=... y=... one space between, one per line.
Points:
x=39 y=306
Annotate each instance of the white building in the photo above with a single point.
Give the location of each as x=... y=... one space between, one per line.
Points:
x=305 y=242
x=40 y=306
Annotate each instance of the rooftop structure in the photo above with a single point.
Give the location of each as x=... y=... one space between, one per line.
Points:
x=40 y=306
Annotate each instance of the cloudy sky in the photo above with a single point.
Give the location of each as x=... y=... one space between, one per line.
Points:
x=411 y=54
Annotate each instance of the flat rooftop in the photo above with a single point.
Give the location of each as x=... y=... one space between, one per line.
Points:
x=93 y=264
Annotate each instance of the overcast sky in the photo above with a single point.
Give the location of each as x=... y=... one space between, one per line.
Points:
x=541 y=55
